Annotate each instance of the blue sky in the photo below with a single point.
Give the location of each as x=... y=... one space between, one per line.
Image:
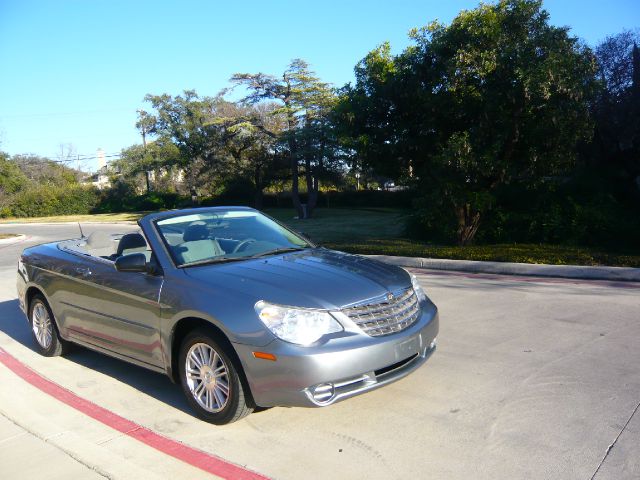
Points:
x=76 y=71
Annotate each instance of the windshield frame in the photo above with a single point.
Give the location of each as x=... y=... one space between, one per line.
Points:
x=185 y=212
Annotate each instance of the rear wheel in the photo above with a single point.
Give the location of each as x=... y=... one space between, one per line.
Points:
x=211 y=380
x=44 y=329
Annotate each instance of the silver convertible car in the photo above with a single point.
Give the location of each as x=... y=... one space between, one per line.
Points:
x=235 y=307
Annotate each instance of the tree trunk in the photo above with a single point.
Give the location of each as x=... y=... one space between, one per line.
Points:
x=258 y=202
x=313 y=181
x=146 y=172
x=192 y=186
x=311 y=193
x=295 y=195
x=468 y=223
x=293 y=158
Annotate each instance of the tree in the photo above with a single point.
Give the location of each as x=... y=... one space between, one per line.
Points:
x=154 y=157
x=616 y=108
x=304 y=103
x=11 y=177
x=499 y=95
x=189 y=122
x=615 y=57
x=45 y=171
x=252 y=142
x=146 y=124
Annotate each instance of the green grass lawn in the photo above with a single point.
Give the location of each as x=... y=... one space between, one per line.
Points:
x=520 y=253
x=344 y=226
x=380 y=231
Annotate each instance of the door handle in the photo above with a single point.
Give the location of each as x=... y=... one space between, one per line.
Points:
x=85 y=272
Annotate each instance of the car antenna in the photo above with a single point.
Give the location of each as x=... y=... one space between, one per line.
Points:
x=81 y=232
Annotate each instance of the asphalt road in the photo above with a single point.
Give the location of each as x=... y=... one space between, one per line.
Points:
x=532 y=379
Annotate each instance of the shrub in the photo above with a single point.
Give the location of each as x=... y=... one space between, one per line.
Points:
x=46 y=200
x=122 y=198
x=579 y=211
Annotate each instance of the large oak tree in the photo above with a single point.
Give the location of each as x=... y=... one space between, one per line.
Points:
x=496 y=96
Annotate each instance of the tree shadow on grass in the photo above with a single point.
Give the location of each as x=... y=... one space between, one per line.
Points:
x=13 y=323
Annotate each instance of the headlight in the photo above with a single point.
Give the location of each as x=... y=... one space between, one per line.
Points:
x=417 y=288
x=23 y=270
x=296 y=325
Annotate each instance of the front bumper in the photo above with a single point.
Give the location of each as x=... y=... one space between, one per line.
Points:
x=21 y=288
x=339 y=368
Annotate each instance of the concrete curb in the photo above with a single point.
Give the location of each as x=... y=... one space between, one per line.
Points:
x=625 y=274
x=9 y=241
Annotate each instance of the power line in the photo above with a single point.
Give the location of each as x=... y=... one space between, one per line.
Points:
x=66 y=114
x=83 y=158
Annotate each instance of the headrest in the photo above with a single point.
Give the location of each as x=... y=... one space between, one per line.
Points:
x=129 y=241
x=99 y=239
x=194 y=232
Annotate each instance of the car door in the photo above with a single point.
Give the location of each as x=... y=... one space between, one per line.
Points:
x=115 y=311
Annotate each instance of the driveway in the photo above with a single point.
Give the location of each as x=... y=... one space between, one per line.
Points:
x=532 y=378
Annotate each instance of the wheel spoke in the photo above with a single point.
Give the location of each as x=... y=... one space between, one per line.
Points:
x=199 y=390
x=220 y=397
x=214 y=360
x=193 y=357
x=204 y=358
x=223 y=387
x=220 y=370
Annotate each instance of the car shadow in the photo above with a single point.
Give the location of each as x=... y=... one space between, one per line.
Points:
x=156 y=385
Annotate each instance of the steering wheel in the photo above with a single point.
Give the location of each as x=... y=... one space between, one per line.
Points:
x=243 y=244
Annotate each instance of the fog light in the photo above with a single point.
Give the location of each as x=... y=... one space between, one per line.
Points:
x=433 y=343
x=323 y=393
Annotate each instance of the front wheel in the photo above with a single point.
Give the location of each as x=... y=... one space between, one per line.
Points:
x=44 y=329
x=210 y=380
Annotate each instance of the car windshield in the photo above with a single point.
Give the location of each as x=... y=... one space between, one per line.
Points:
x=217 y=236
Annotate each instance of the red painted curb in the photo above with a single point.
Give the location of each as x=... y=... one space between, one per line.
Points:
x=196 y=458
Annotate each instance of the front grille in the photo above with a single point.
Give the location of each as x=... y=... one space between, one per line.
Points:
x=387 y=317
x=395 y=366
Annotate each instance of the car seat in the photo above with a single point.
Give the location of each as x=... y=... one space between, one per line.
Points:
x=197 y=245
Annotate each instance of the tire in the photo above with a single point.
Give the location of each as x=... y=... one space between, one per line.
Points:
x=213 y=387
x=44 y=329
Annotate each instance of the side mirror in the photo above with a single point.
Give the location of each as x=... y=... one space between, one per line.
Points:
x=133 y=262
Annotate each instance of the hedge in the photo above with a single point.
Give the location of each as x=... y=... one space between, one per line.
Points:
x=47 y=200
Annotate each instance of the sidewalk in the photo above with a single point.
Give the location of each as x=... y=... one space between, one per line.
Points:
x=527 y=269
x=24 y=455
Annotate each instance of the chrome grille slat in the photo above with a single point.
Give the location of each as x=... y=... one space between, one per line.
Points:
x=393 y=312
x=374 y=308
x=386 y=317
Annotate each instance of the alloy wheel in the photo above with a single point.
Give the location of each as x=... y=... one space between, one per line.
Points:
x=207 y=377
x=42 y=325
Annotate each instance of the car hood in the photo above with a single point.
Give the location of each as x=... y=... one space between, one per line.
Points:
x=312 y=278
